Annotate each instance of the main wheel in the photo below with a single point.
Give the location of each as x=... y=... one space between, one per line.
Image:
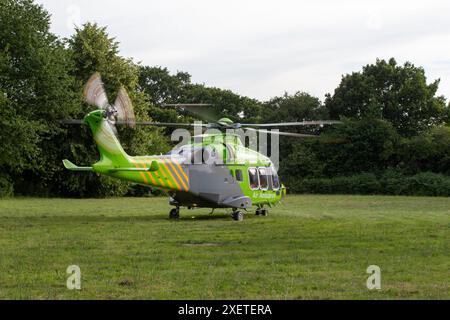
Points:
x=258 y=212
x=238 y=215
x=264 y=212
x=174 y=213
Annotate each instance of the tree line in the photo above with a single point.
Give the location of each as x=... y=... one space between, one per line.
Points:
x=394 y=139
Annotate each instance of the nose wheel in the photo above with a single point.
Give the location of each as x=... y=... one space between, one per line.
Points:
x=174 y=213
x=237 y=215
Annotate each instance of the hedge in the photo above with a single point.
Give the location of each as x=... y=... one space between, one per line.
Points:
x=422 y=184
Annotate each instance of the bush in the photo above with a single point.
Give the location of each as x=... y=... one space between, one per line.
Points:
x=428 y=184
x=6 y=187
x=388 y=182
x=357 y=147
x=429 y=151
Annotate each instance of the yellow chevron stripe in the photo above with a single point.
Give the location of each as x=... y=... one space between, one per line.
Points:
x=178 y=175
x=152 y=178
x=165 y=176
x=142 y=174
x=182 y=171
x=143 y=165
x=157 y=175
x=171 y=175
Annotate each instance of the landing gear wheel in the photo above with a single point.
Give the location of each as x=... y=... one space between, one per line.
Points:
x=258 y=212
x=174 y=213
x=264 y=212
x=237 y=215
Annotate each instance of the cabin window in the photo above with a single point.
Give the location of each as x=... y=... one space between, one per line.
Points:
x=253 y=178
x=275 y=180
x=263 y=178
x=239 y=176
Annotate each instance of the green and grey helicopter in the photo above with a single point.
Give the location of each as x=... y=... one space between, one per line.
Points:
x=211 y=171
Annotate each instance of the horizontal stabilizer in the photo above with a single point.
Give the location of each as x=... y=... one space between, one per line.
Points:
x=129 y=169
x=70 y=166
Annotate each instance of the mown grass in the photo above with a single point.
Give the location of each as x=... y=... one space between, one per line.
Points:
x=308 y=247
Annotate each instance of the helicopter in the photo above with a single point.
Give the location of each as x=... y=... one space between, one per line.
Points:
x=213 y=170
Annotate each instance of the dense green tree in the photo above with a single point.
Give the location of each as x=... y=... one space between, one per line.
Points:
x=300 y=106
x=163 y=87
x=300 y=162
x=92 y=50
x=447 y=116
x=429 y=151
x=297 y=160
x=36 y=90
x=224 y=103
x=367 y=145
x=386 y=90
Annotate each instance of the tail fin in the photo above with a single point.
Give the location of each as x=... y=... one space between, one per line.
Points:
x=111 y=151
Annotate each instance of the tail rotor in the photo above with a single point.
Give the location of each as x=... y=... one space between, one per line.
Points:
x=122 y=109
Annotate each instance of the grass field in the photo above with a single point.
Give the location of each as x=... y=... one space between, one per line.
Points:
x=308 y=247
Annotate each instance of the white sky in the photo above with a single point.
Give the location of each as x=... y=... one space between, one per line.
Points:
x=262 y=48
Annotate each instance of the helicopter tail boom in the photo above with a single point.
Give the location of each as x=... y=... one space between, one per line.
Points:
x=112 y=155
x=108 y=145
x=157 y=171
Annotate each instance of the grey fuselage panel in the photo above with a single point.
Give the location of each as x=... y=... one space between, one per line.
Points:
x=212 y=186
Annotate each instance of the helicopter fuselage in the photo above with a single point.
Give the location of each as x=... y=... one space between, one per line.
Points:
x=213 y=171
x=210 y=174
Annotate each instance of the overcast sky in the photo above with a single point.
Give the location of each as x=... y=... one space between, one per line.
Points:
x=262 y=48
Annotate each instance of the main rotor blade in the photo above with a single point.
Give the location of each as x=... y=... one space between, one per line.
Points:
x=281 y=133
x=141 y=123
x=94 y=92
x=124 y=108
x=185 y=105
x=167 y=124
x=286 y=124
x=197 y=109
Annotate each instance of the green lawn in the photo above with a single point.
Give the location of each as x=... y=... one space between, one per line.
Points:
x=308 y=247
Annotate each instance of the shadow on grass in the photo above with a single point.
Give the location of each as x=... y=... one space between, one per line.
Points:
x=122 y=218
x=203 y=216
